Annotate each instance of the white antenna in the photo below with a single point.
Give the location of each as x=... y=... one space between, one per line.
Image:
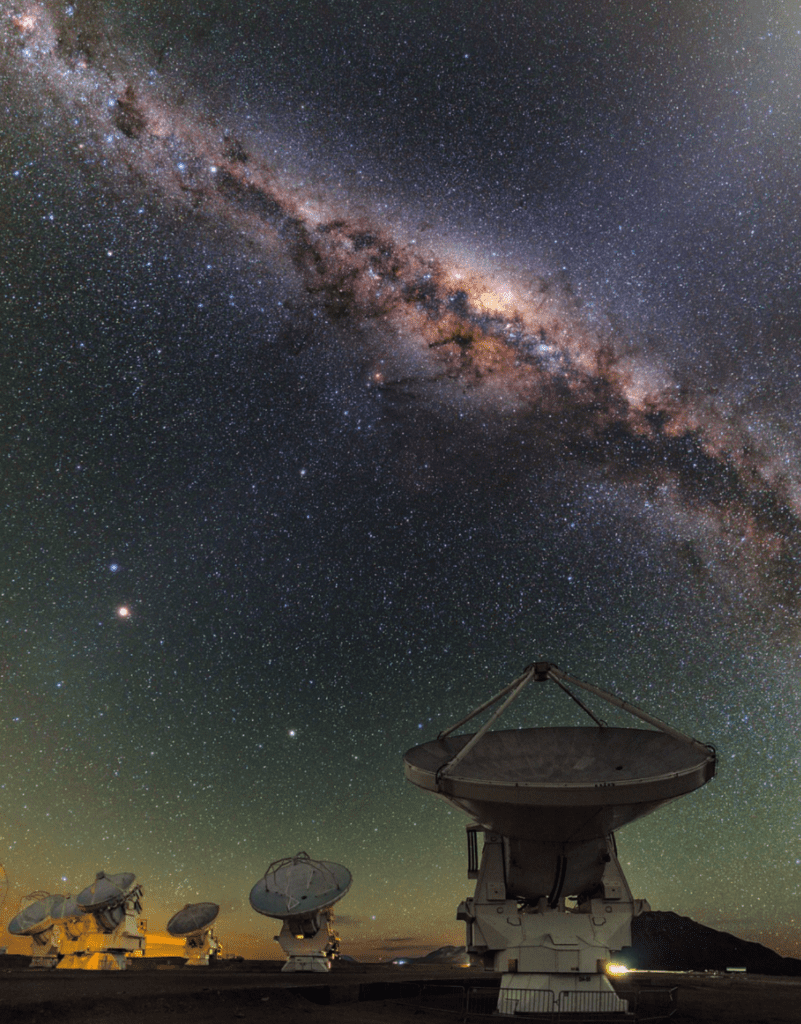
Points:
x=551 y=901
x=301 y=892
x=40 y=920
x=194 y=925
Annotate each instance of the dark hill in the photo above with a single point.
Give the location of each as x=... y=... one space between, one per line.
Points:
x=664 y=941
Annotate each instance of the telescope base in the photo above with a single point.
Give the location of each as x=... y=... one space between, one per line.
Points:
x=101 y=960
x=315 y=964
x=559 y=995
x=101 y=951
x=45 y=962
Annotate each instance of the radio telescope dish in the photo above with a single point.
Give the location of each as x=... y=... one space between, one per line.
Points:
x=194 y=924
x=39 y=916
x=560 y=784
x=297 y=886
x=301 y=892
x=548 y=801
x=39 y=920
x=194 y=919
x=106 y=892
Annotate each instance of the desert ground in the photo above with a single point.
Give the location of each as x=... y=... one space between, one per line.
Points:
x=355 y=994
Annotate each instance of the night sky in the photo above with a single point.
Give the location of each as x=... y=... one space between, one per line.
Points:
x=355 y=355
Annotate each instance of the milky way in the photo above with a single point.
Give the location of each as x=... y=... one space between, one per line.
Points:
x=356 y=355
x=523 y=352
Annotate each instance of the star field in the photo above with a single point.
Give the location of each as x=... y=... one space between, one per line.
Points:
x=354 y=357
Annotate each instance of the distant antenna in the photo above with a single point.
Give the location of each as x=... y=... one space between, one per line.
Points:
x=551 y=901
x=301 y=892
x=112 y=932
x=40 y=921
x=194 y=924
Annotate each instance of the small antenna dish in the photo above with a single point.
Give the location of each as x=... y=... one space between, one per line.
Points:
x=548 y=801
x=106 y=892
x=194 y=924
x=301 y=892
x=41 y=916
x=39 y=920
x=194 y=919
x=299 y=885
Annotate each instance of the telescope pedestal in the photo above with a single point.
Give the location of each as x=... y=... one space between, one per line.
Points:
x=314 y=963
x=44 y=962
x=551 y=956
x=44 y=951
x=97 y=951
x=105 y=946
x=199 y=949
x=310 y=943
x=556 y=995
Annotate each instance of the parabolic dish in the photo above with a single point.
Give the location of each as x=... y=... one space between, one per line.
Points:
x=194 y=919
x=299 y=886
x=106 y=891
x=560 y=785
x=43 y=914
